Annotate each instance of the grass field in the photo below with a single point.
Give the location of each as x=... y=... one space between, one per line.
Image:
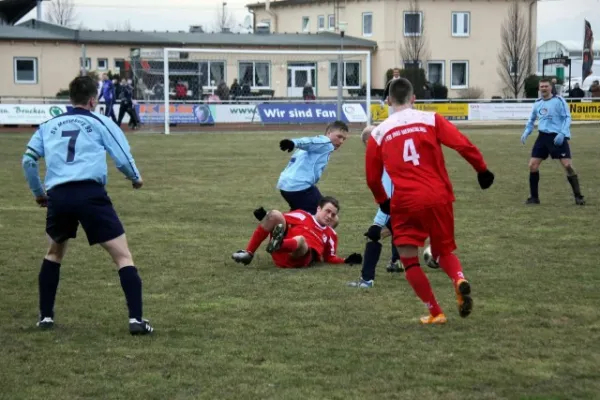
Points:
x=224 y=331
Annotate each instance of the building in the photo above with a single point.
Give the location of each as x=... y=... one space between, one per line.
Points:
x=42 y=58
x=566 y=48
x=461 y=37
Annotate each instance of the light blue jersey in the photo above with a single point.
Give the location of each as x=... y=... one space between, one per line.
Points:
x=74 y=146
x=307 y=163
x=553 y=115
x=380 y=218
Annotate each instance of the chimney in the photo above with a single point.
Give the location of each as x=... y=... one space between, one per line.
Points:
x=196 y=29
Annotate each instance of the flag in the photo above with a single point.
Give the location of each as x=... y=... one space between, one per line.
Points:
x=588 y=54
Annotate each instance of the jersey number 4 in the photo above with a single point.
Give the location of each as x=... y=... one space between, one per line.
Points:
x=410 y=152
x=72 y=135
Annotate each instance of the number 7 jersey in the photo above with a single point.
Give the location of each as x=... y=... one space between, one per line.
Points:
x=75 y=144
x=408 y=145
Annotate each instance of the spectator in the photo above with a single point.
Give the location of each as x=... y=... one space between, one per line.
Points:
x=554 y=86
x=180 y=91
x=395 y=75
x=595 y=89
x=222 y=91
x=235 y=89
x=126 y=106
x=576 y=92
x=308 y=93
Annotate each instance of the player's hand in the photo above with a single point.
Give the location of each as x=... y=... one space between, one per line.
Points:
x=485 y=178
x=374 y=233
x=137 y=184
x=524 y=137
x=286 y=145
x=260 y=213
x=42 y=200
x=385 y=207
x=559 y=139
x=353 y=258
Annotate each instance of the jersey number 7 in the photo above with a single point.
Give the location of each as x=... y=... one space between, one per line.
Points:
x=72 y=135
x=410 y=152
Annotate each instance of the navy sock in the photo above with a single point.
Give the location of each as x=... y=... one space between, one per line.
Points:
x=534 y=179
x=48 y=284
x=574 y=181
x=395 y=255
x=132 y=287
x=370 y=260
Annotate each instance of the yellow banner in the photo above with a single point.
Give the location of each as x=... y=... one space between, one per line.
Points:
x=452 y=111
x=585 y=111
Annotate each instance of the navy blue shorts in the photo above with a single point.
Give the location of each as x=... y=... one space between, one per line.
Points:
x=307 y=199
x=544 y=146
x=84 y=202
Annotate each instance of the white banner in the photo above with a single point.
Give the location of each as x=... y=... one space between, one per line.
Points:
x=499 y=111
x=232 y=113
x=29 y=114
x=354 y=112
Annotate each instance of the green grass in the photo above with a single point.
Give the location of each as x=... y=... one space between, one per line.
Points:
x=224 y=331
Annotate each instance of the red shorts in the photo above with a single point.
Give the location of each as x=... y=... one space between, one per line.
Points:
x=414 y=227
x=285 y=260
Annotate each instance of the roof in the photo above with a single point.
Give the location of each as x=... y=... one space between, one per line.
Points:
x=12 y=11
x=37 y=30
x=281 y=3
x=571 y=45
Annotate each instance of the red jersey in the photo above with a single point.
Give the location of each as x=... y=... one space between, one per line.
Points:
x=408 y=144
x=321 y=239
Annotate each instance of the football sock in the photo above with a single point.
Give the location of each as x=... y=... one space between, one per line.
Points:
x=451 y=266
x=132 y=287
x=259 y=235
x=370 y=259
x=48 y=284
x=395 y=255
x=420 y=284
x=534 y=180
x=574 y=181
x=288 y=245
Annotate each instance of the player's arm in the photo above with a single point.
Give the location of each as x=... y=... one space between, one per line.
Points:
x=531 y=121
x=315 y=144
x=330 y=253
x=374 y=171
x=566 y=116
x=33 y=153
x=117 y=146
x=101 y=91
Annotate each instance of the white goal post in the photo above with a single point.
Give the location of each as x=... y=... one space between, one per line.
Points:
x=355 y=67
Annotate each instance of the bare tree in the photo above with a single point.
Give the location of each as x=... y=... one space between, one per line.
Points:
x=61 y=12
x=516 y=52
x=225 y=20
x=413 y=48
x=119 y=25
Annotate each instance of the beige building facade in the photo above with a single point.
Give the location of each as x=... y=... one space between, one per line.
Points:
x=461 y=38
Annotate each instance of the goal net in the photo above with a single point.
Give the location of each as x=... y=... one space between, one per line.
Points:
x=196 y=90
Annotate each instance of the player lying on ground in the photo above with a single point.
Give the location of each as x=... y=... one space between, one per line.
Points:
x=553 y=140
x=297 y=183
x=74 y=146
x=408 y=146
x=298 y=239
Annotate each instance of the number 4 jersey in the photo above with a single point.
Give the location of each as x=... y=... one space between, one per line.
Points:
x=75 y=144
x=408 y=145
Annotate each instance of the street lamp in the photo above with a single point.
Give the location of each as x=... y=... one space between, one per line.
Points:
x=342 y=26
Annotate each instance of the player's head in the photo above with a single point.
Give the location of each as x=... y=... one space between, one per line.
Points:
x=545 y=87
x=401 y=93
x=83 y=92
x=105 y=76
x=327 y=211
x=337 y=131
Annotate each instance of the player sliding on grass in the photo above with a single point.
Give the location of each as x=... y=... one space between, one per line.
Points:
x=298 y=239
x=408 y=145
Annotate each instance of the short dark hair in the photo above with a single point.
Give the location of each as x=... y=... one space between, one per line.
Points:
x=547 y=80
x=81 y=90
x=331 y=200
x=401 y=90
x=337 y=125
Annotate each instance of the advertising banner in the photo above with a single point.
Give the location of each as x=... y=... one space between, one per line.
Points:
x=29 y=114
x=232 y=113
x=452 y=111
x=585 y=111
x=499 y=111
x=178 y=113
x=311 y=113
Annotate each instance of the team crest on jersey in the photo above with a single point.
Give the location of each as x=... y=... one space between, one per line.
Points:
x=324 y=238
x=543 y=111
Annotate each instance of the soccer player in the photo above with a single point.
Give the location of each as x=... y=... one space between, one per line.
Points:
x=553 y=140
x=108 y=92
x=408 y=145
x=74 y=146
x=298 y=239
x=297 y=182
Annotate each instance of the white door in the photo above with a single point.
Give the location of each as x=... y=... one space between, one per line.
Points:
x=297 y=78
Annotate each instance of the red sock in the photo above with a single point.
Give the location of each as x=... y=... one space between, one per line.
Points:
x=451 y=266
x=420 y=284
x=288 y=245
x=259 y=235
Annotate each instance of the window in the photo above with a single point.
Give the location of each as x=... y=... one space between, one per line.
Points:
x=367 y=24
x=413 y=64
x=350 y=78
x=321 y=22
x=88 y=63
x=102 y=63
x=435 y=72
x=459 y=74
x=256 y=74
x=331 y=22
x=25 y=69
x=119 y=64
x=412 y=23
x=460 y=23
x=513 y=67
x=211 y=73
x=305 y=24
